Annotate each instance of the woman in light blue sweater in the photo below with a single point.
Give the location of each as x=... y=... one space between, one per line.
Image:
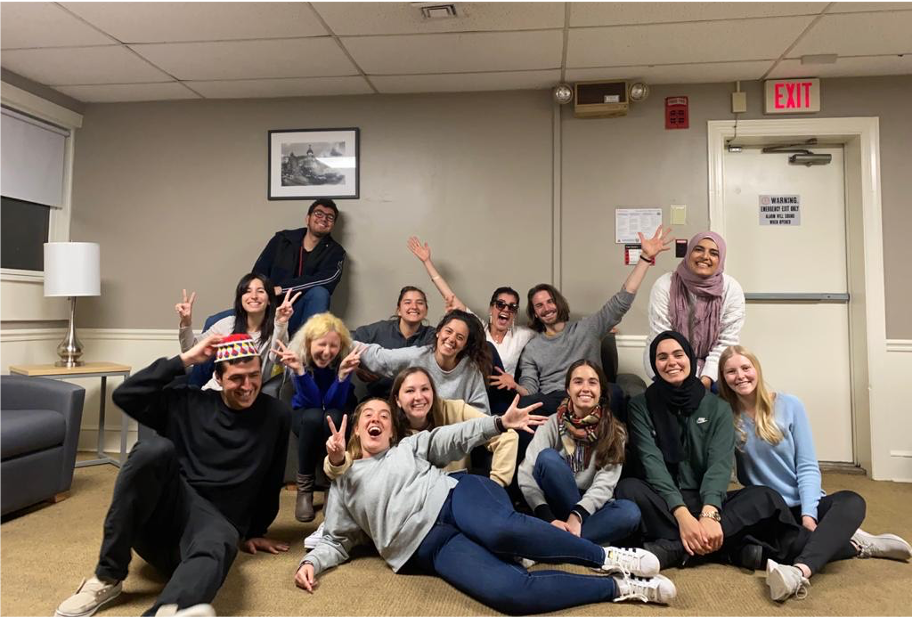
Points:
x=463 y=529
x=776 y=449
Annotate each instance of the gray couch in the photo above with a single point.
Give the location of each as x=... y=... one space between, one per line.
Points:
x=39 y=431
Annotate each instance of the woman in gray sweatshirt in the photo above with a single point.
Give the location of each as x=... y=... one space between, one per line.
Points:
x=574 y=462
x=463 y=529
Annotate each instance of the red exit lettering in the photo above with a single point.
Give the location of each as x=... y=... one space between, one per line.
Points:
x=789 y=95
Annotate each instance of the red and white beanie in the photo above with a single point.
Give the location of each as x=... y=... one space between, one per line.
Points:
x=235 y=346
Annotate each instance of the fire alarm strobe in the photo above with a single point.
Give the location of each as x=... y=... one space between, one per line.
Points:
x=677 y=115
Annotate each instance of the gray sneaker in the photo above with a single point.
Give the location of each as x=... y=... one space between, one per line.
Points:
x=785 y=581
x=658 y=589
x=91 y=595
x=881 y=546
x=201 y=609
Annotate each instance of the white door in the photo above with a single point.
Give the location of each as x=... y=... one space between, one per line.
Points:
x=793 y=271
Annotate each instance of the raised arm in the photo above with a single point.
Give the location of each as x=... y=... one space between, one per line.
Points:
x=650 y=249
x=184 y=310
x=423 y=253
x=385 y=362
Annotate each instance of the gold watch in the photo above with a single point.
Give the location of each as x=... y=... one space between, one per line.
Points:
x=712 y=515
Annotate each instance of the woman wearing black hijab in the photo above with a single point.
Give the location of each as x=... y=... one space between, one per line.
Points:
x=685 y=439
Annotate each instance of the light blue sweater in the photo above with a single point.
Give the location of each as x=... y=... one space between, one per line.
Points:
x=789 y=467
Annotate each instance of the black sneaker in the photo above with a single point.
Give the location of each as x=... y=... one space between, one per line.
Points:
x=749 y=556
x=670 y=553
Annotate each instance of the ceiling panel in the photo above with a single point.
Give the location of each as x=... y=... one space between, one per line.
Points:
x=290 y=87
x=617 y=13
x=859 y=34
x=43 y=24
x=465 y=82
x=855 y=7
x=249 y=59
x=112 y=64
x=847 y=67
x=752 y=39
x=353 y=18
x=162 y=22
x=451 y=53
x=128 y=92
x=713 y=72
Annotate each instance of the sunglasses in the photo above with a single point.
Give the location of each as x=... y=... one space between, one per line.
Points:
x=501 y=305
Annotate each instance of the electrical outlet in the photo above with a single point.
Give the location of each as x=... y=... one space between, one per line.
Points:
x=678 y=214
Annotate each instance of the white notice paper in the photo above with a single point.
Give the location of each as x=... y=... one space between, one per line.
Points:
x=780 y=210
x=629 y=221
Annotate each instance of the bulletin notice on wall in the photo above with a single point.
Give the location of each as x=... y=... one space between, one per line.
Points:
x=780 y=210
x=629 y=221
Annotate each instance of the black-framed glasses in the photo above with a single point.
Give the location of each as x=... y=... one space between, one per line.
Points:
x=325 y=216
x=501 y=305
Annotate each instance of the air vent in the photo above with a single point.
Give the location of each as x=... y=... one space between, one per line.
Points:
x=439 y=11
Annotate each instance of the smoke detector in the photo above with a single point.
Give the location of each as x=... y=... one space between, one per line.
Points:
x=438 y=11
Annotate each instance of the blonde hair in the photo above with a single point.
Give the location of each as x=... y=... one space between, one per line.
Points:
x=764 y=419
x=318 y=326
x=354 y=442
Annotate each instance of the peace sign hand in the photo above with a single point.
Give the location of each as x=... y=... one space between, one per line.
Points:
x=185 y=308
x=423 y=253
x=350 y=362
x=651 y=247
x=288 y=358
x=286 y=309
x=335 y=444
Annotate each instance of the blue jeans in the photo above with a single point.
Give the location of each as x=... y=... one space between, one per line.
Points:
x=615 y=520
x=310 y=303
x=478 y=535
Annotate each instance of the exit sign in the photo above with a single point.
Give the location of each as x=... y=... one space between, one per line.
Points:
x=792 y=96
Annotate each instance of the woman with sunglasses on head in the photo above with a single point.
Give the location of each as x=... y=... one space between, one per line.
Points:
x=501 y=329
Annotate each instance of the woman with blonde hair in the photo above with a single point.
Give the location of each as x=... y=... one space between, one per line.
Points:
x=322 y=361
x=775 y=448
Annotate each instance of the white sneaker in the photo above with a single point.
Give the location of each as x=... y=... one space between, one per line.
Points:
x=881 y=546
x=201 y=609
x=785 y=581
x=630 y=561
x=91 y=595
x=658 y=589
x=311 y=540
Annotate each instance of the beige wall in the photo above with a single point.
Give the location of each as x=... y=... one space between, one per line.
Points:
x=175 y=193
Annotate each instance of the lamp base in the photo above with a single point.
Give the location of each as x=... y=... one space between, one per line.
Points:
x=69 y=363
x=70 y=349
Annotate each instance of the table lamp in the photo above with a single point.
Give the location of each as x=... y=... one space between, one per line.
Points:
x=71 y=269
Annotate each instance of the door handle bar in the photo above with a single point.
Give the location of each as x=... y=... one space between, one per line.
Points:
x=820 y=297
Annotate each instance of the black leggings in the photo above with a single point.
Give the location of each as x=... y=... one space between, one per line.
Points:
x=312 y=429
x=838 y=517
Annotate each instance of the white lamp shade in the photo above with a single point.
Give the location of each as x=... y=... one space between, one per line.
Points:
x=72 y=269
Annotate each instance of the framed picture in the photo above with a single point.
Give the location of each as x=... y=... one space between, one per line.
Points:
x=313 y=163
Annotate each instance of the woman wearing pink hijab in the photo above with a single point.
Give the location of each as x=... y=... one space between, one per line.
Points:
x=701 y=302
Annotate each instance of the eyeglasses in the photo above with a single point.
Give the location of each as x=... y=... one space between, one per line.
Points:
x=325 y=216
x=501 y=305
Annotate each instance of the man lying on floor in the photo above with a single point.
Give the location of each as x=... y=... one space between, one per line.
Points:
x=186 y=498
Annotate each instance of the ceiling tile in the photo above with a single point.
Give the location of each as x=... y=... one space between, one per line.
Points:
x=465 y=82
x=858 y=34
x=710 y=72
x=289 y=87
x=451 y=53
x=128 y=92
x=752 y=39
x=847 y=67
x=353 y=18
x=112 y=64
x=163 y=22
x=249 y=59
x=617 y=13
x=44 y=24
x=864 y=7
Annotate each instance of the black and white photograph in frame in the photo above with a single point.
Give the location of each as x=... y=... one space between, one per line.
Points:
x=313 y=163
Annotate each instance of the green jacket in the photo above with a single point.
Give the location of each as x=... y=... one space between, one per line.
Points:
x=709 y=448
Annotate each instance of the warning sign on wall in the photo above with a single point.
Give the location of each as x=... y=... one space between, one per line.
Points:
x=780 y=210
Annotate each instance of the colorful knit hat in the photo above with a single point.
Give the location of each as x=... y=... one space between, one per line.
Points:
x=235 y=346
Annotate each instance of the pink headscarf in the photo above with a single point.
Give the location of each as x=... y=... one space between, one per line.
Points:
x=708 y=308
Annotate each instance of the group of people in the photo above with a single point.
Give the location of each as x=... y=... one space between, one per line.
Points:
x=481 y=447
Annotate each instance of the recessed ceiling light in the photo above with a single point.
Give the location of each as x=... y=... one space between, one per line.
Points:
x=819 y=59
x=438 y=11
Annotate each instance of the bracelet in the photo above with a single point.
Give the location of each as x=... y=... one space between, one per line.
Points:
x=647 y=260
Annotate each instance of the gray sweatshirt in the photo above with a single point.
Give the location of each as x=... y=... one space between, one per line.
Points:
x=596 y=484
x=394 y=498
x=463 y=382
x=545 y=360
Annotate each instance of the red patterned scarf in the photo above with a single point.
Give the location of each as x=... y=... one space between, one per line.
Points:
x=578 y=435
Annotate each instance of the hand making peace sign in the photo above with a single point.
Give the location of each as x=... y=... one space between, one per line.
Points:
x=286 y=309
x=185 y=308
x=351 y=362
x=335 y=444
x=288 y=358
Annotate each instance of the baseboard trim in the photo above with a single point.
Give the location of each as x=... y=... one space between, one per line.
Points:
x=842 y=467
x=899 y=345
x=630 y=341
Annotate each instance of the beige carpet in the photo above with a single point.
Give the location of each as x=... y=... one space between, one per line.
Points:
x=48 y=549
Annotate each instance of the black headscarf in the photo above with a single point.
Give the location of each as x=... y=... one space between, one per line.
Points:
x=668 y=402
